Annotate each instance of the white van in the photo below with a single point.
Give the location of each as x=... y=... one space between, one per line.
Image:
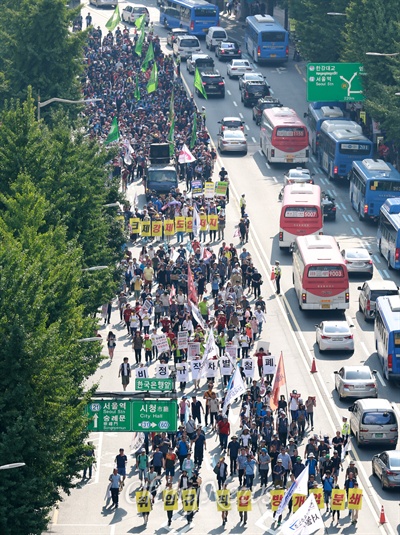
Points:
x=373 y=421
x=215 y=35
x=185 y=45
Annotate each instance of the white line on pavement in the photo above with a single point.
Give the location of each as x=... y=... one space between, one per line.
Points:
x=112 y=530
x=350 y=217
x=241 y=115
x=342 y=206
x=345 y=217
x=323 y=180
x=234 y=103
x=229 y=93
x=380 y=379
x=353 y=230
x=267 y=164
x=312 y=158
x=359 y=232
x=385 y=274
x=255 y=141
x=247 y=128
x=376 y=258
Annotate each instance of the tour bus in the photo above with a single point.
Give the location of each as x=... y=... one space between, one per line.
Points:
x=340 y=144
x=283 y=136
x=315 y=118
x=266 y=40
x=301 y=213
x=195 y=16
x=389 y=232
x=387 y=335
x=320 y=276
x=371 y=183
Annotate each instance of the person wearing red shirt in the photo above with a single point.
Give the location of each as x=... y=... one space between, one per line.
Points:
x=166 y=324
x=223 y=430
x=127 y=316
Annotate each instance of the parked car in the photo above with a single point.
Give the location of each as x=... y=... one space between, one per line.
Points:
x=199 y=61
x=356 y=382
x=263 y=104
x=173 y=34
x=213 y=83
x=231 y=123
x=232 y=141
x=131 y=13
x=227 y=50
x=237 y=67
x=250 y=77
x=358 y=260
x=334 y=336
x=386 y=467
x=214 y=36
x=328 y=206
x=369 y=293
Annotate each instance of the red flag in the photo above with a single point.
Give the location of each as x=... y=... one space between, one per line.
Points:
x=280 y=380
x=172 y=294
x=206 y=254
x=192 y=294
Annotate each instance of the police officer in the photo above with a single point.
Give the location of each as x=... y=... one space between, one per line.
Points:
x=278 y=273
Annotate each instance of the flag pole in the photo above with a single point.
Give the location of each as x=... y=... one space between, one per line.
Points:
x=286 y=388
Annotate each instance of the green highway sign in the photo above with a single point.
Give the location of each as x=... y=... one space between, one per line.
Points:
x=334 y=82
x=133 y=415
x=154 y=385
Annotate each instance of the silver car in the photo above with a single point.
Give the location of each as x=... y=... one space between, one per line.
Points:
x=386 y=466
x=232 y=141
x=356 y=382
x=358 y=260
x=298 y=176
x=237 y=67
x=252 y=77
x=334 y=336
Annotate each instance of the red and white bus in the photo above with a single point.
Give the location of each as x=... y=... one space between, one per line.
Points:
x=283 y=136
x=301 y=213
x=320 y=276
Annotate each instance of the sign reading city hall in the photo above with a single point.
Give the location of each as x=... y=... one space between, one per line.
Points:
x=133 y=415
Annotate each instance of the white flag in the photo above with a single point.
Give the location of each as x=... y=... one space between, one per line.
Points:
x=306 y=520
x=196 y=224
x=236 y=388
x=185 y=156
x=346 y=449
x=197 y=316
x=299 y=486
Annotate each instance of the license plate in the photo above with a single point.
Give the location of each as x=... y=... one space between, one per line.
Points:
x=289 y=158
x=212 y=86
x=325 y=306
x=337 y=339
x=272 y=56
x=358 y=387
x=358 y=264
x=378 y=435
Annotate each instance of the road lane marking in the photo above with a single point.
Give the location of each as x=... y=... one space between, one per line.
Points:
x=345 y=217
x=376 y=259
x=359 y=231
x=342 y=206
x=241 y=115
x=267 y=164
x=323 y=180
x=312 y=158
x=229 y=93
x=234 y=103
x=380 y=379
x=247 y=128
x=255 y=141
x=386 y=273
x=353 y=230
x=349 y=216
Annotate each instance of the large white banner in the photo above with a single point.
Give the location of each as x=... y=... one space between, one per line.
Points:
x=306 y=520
x=211 y=368
x=182 y=372
x=236 y=388
x=183 y=339
x=196 y=369
x=193 y=349
x=161 y=343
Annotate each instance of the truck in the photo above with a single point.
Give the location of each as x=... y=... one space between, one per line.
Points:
x=161 y=175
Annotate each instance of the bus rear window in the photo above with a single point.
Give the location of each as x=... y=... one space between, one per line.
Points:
x=273 y=37
x=205 y=12
x=360 y=149
x=290 y=132
x=301 y=211
x=396 y=337
x=325 y=272
x=384 y=185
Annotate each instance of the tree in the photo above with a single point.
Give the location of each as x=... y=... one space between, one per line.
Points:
x=37 y=49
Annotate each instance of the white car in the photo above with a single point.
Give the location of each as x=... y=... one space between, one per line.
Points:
x=298 y=176
x=231 y=123
x=232 y=141
x=252 y=77
x=358 y=260
x=334 y=336
x=356 y=382
x=131 y=13
x=238 y=67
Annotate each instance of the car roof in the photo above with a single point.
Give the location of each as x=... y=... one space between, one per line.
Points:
x=241 y=61
x=254 y=73
x=211 y=73
x=229 y=42
x=178 y=30
x=231 y=119
x=298 y=172
x=379 y=404
x=355 y=368
x=381 y=285
x=201 y=55
x=234 y=133
x=336 y=323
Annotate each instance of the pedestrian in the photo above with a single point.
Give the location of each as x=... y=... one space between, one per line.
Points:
x=278 y=273
x=111 y=343
x=224 y=504
x=157 y=461
x=312 y=464
x=170 y=498
x=286 y=463
x=242 y=459
x=115 y=485
x=354 y=512
x=310 y=404
x=328 y=485
x=336 y=511
x=242 y=204
x=199 y=447
x=345 y=430
x=249 y=468
x=223 y=430
x=90 y=460
x=221 y=471
x=233 y=453
x=169 y=464
x=183 y=407
x=88 y=20
x=188 y=464
x=142 y=464
x=264 y=461
x=121 y=460
x=125 y=372
x=282 y=426
x=137 y=345
x=351 y=468
x=197 y=409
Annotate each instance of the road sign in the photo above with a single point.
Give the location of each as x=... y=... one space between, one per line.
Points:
x=155 y=415
x=133 y=415
x=112 y=415
x=154 y=385
x=334 y=82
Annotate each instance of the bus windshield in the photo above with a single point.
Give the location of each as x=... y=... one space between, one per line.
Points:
x=325 y=272
x=273 y=37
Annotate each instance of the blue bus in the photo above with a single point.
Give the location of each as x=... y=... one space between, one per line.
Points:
x=266 y=40
x=388 y=232
x=371 y=183
x=340 y=143
x=315 y=118
x=195 y=16
x=387 y=335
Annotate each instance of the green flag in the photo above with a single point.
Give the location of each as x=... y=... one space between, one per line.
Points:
x=198 y=84
x=139 y=44
x=152 y=84
x=171 y=113
x=114 y=21
x=149 y=57
x=171 y=136
x=113 y=134
x=194 y=131
x=136 y=93
x=140 y=21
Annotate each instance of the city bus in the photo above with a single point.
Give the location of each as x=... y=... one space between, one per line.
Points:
x=195 y=16
x=387 y=335
x=266 y=40
x=389 y=232
x=340 y=144
x=371 y=183
x=315 y=118
x=301 y=213
x=320 y=276
x=283 y=136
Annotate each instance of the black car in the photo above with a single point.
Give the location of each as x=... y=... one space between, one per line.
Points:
x=213 y=83
x=264 y=104
x=252 y=91
x=227 y=50
x=328 y=206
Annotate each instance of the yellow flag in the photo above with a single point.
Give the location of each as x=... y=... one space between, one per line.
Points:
x=355 y=499
x=244 y=500
x=143 y=501
x=224 y=500
x=170 y=498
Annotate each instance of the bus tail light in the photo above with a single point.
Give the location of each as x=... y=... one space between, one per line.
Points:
x=281 y=236
x=272 y=153
x=347 y=297
x=390 y=362
x=335 y=170
x=397 y=254
x=365 y=208
x=192 y=25
x=287 y=51
x=258 y=51
x=239 y=51
x=304 y=297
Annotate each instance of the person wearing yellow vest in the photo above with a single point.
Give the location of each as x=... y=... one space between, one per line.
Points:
x=345 y=430
x=278 y=273
x=242 y=204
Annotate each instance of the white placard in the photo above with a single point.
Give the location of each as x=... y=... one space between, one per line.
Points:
x=211 y=368
x=196 y=368
x=141 y=373
x=232 y=351
x=161 y=342
x=269 y=364
x=225 y=365
x=183 y=339
x=248 y=366
x=263 y=344
x=182 y=372
x=193 y=349
x=162 y=371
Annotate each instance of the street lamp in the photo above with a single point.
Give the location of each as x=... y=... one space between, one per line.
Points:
x=11 y=465
x=65 y=101
x=381 y=54
x=95 y=268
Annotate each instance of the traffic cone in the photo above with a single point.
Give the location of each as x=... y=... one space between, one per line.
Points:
x=313 y=366
x=382 y=517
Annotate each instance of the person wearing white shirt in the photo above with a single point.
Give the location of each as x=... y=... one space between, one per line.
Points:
x=260 y=317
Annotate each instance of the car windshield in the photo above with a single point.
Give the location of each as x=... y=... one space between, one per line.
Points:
x=219 y=35
x=357 y=375
x=163 y=176
x=239 y=63
x=189 y=42
x=336 y=329
x=234 y=134
x=380 y=293
x=357 y=254
x=378 y=418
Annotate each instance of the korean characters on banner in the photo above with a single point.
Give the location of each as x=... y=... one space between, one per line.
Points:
x=338 y=500
x=183 y=340
x=232 y=352
x=209 y=190
x=297 y=501
x=243 y=500
x=161 y=342
x=248 y=366
x=213 y=222
x=223 y=500
x=355 y=499
x=319 y=496
x=143 y=501
x=189 y=500
x=276 y=498
x=225 y=365
x=169 y=227
x=211 y=369
x=269 y=365
x=193 y=349
x=170 y=499
x=162 y=371
x=142 y=372
x=182 y=372
x=195 y=366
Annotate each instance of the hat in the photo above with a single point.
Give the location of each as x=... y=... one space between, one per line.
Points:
x=352 y=462
x=279 y=461
x=327 y=456
x=143 y=450
x=291 y=439
x=234 y=437
x=263 y=449
x=311 y=455
x=298 y=458
x=277 y=262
